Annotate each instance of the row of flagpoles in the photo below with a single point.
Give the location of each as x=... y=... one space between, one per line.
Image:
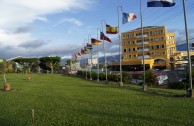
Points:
x=127 y=17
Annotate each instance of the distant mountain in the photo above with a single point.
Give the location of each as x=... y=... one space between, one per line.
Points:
x=182 y=47
x=63 y=61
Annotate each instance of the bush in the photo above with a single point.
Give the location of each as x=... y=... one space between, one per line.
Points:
x=94 y=76
x=176 y=85
x=126 y=77
x=113 y=77
x=102 y=76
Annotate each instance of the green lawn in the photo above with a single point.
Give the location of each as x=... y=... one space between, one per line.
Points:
x=67 y=101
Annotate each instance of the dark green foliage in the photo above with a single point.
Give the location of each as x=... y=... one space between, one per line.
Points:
x=53 y=63
x=149 y=77
x=126 y=77
x=3 y=67
x=102 y=76
x=113 y=77
x=94 y=76
x=176 y=85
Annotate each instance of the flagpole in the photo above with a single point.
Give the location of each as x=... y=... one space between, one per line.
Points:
x=144 y=84
x=190 y=90
x=85 y=40
x=89 y=37
x=120 y=49
x=97 y=56
x=104 y=51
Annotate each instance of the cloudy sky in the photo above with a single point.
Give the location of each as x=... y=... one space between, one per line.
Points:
x=36 y=28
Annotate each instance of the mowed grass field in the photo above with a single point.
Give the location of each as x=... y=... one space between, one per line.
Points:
x=67 y=101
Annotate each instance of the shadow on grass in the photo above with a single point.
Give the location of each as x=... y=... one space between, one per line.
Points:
x=158 y=93
x=4 y=122
x=3 y=90
x=135 y=118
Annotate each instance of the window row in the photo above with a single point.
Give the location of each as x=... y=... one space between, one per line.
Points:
x=153 y=47
x=145 y=40
x=153 y=32
x=150 y=54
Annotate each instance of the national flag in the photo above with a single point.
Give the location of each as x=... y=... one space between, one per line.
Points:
x=85 y=48
x=89 y=46
x=160 y=3
x=79 y=54
x=83 y=51
x=95 y=41
x=128 y=17
x=104 y=37
x=111 y=30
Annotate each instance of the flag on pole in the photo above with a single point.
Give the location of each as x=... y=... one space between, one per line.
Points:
x=95 y=41
x=89 y=46
x=104 y=37
x=83 y=51
x=128 y=17
x=160 y=3
x=111 y=30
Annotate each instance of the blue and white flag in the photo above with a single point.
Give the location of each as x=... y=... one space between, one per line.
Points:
x=160 y=3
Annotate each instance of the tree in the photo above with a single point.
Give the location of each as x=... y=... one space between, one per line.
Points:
x=3 y=68
x=26 y=62
x=50 y=62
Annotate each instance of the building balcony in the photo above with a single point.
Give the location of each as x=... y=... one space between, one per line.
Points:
x=145 y=49
x=140 y=43
x=140 y=36
x=145 y=57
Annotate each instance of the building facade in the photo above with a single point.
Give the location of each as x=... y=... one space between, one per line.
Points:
x=159 y=47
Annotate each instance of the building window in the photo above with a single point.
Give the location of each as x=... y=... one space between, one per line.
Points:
x=124 y=50
x=161 y=38
x=161 y=32
x=152 y=47
x=162 y=46
x=129 y=42
x=129 y=50
x=128 y=36
x=157 y=53
x=156 y=39
x=151 y=39
x=151 y=32
x=157 y=46
x=133 y=42
x=134 y=55
x=129 y=56
x=123 y=43
x=133 y=49
x=132 y=36
x=155 y=32
x=163 y=53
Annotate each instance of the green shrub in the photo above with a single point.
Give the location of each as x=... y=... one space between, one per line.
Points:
x=94 y=76
x=176 y=85
x=102 y=76
x=113 y=77
x=126 y=77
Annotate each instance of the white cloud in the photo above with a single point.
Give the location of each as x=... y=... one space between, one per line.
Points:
x=16 y=14
x=69 y=20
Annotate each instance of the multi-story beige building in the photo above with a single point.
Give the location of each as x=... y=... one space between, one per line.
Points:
x=159 y=46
